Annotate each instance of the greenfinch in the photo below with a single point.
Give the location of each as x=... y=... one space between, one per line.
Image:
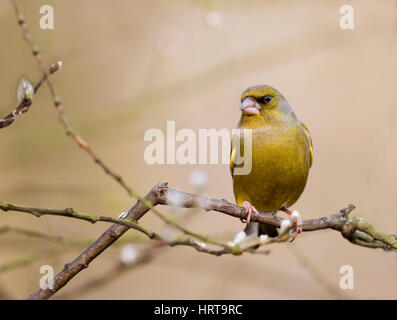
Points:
x=282 y=154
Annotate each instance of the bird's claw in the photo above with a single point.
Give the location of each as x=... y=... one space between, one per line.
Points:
x=296 y=219
x=298 y=230
x=251 y=211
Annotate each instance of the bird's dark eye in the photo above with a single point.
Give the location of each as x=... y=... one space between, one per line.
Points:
x=265 y=99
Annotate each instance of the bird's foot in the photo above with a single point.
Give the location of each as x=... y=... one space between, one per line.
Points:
x=295 y=217
x=251 y=211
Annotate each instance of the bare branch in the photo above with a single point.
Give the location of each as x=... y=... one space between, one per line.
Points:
x=131 y=224
x=351 y=228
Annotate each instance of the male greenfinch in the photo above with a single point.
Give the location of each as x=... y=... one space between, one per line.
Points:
x=282 y=154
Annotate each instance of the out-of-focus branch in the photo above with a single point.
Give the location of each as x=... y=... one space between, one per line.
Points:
x=28 y=259
x=60 y=245
x=352 y=229
x=29 y=233
x=316 y=273
x=26 y=99
x=121 y=267
x=65 y=122
x=60 y=110
x=85 y=146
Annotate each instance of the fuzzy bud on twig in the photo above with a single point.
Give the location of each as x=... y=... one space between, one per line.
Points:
x=25 y=90
x=199 y=179
x=55 y=67
x=285 y=226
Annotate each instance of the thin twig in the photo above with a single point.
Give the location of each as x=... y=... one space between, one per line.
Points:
x=26 y=102
x=317 y=274
x=60 y=110
x=70 y=212
x=65 y=121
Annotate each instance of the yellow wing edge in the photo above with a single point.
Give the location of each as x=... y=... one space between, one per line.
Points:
x=232 y=155
x=311 y=143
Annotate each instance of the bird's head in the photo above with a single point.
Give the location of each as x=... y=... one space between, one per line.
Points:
x=264 y=101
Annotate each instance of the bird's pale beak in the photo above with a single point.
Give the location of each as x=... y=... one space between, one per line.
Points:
x=250 y=106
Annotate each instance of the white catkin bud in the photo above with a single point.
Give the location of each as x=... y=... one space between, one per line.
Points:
x=263 y=238
x=285 y=225
x=123 y=215
x=295 y=217
x=25 y=90
x=202 y=245
x=239 y=238
x=199 y=179
x=59 y=63
x=174 y=199
x=214 y=19
x=129 y=254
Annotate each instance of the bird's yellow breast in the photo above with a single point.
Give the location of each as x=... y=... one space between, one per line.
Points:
x=281 y=158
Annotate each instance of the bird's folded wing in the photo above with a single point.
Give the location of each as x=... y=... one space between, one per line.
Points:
x=233 y=154
x=311 y=143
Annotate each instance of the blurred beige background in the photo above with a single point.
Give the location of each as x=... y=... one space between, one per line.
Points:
x=131 y=65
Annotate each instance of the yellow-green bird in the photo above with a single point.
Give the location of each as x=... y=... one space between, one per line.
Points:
x=282 y=154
